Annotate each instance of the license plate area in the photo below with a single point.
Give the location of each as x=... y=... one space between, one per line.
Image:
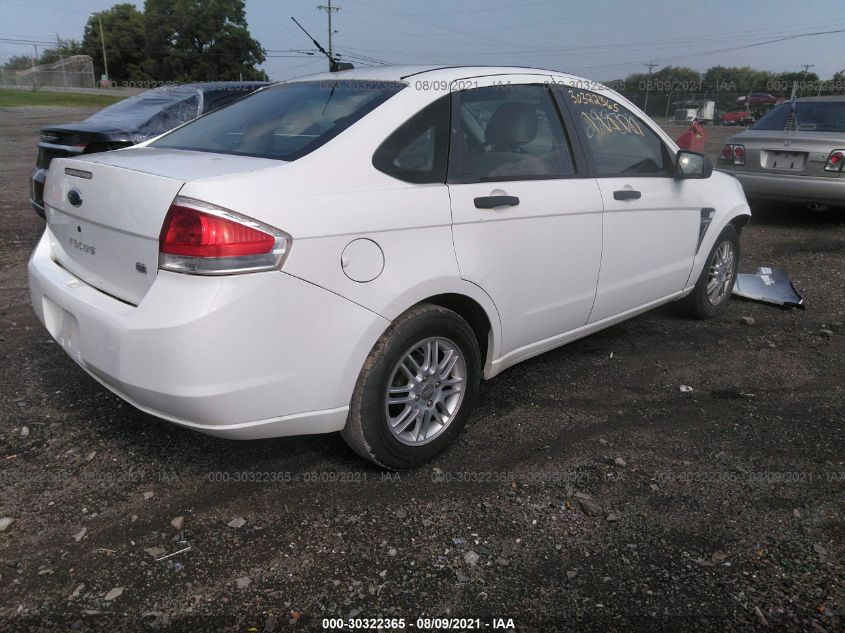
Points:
x=787 y=161
x=62 y=326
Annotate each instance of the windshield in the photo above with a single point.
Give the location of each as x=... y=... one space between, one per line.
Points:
x=153 y=112
x=284 y=122
x=811 y=116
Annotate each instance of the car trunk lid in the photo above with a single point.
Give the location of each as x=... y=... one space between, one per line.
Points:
x=105 y=212
x=792 y=153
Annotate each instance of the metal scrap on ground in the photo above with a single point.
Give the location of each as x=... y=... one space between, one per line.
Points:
x=768 y=285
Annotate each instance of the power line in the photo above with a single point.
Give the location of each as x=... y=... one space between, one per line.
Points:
x=724 y=50
x=484 y=10
x=510 y=27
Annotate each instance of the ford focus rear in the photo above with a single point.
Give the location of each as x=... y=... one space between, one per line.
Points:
x=356 y=251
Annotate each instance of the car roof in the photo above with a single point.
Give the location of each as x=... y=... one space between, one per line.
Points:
x=226 y=85
x=430 y=72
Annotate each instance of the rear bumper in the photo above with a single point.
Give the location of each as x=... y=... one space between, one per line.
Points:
x=250 y=356
x=37 y=177
x=797 y=189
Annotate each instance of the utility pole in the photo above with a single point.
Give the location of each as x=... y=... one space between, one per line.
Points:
x=61 y=60
x=806 y=68
x=103 y=42
x=34 y=72
x=328 y=8
x=651 y=66
x=668 y=100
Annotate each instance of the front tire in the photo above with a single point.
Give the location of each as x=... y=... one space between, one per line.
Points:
x=713 y=289
x=416 y=390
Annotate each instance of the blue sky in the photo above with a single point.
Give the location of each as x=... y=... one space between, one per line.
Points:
x=603 y=39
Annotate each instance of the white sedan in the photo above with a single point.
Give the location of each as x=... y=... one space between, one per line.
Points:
x=354 y=251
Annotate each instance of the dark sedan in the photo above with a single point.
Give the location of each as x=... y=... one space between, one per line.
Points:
x=130 y=121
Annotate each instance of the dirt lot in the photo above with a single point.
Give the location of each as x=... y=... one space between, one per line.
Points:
x=588 y=493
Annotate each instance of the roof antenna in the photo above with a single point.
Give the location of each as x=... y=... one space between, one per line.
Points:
x=334 y=65
x=792 y=119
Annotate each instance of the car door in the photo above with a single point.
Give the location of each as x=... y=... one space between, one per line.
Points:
x=651 y=220
x=526 y=217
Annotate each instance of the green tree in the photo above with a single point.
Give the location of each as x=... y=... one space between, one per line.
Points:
x=123 y=31
x=18 y=62
x=200 y=40
x=730 y=83
x=67 y=48
x=678 y=77
x=670 y=83
x=808 y=83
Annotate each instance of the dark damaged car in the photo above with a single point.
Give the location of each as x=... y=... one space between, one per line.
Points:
x=130 y=121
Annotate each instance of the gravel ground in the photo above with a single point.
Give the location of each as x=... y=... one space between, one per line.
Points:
x=588 y=492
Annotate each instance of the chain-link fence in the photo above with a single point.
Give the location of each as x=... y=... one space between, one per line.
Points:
x=72 y=72
x=721 y=107
x=683 y=108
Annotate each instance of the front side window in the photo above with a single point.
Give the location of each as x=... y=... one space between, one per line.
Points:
x=284 y=122
x=417 y=151
x=512 y=132
x=620 y=143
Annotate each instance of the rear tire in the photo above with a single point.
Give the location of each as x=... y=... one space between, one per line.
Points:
x=416 y=390
x=713 y=289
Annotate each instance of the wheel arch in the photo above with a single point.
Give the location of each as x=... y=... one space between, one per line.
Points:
x=739 y=221
x=466 y=299
x=471 y=312
x=737 y=217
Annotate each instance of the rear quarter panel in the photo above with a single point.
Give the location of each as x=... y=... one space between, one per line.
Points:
x=334 y=195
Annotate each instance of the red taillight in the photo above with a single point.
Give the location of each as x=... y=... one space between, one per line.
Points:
x=203 y=239
x=835 y=160
x=193 y=233
x=734 y=153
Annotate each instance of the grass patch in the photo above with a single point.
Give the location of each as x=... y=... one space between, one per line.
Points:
x=10 y=98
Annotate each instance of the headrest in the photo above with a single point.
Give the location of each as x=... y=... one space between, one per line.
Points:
x=512 y=123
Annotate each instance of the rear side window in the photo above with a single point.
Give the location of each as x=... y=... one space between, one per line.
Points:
x=285 y=122
x=418 y=150
x=152 y=112
x=810 y=116
x=214 y=100
x=511 y=132
x=621 y=144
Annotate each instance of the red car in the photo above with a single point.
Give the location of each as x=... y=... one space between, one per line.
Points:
x=762 y=99
x=737 y=117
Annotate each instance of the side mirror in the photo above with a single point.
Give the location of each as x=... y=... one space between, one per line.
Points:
x=692 y=165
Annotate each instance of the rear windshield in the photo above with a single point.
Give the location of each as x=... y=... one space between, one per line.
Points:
x=152 y=112
x=811 y=116
x=284 y=122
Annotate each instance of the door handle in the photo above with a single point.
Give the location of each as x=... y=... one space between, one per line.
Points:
x=490 y=202
x=627 y=194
